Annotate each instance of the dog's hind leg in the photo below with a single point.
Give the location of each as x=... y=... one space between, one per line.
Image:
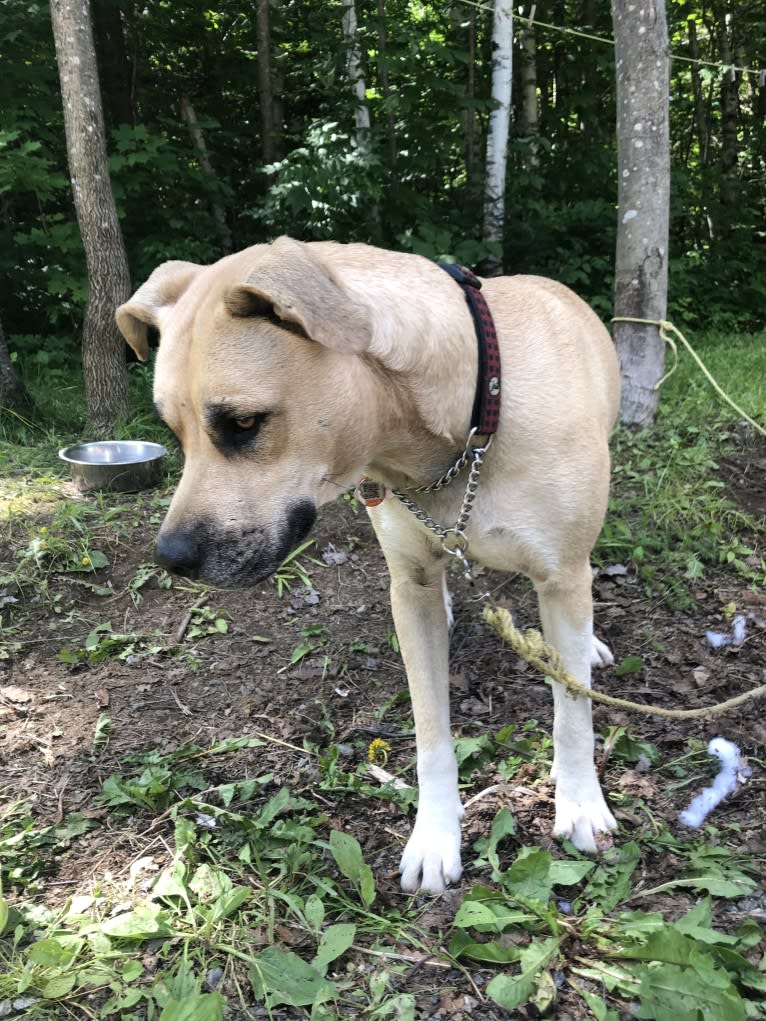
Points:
x=431 y=858
x=582 y=814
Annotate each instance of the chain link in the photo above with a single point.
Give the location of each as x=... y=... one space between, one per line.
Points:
x=453 y=540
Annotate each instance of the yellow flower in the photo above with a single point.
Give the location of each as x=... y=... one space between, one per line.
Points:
x=378 y=751
x=85 y=561
x=43 y=530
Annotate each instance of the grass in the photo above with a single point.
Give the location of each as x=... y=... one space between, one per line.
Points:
x=259 y=897
x=670 y=518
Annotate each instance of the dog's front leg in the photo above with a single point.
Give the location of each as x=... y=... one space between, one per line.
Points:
x=582 y=814
x=431 y=859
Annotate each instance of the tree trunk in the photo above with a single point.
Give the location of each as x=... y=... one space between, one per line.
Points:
x=14 y=398
x=103 y=348
x=700 y=114
x=385 y=89
x=114 y=66
x=198 y=140
x=265 y=92
x=497 y=136
x=643 y=154
x=355 y=74
x=729 y=128
x=529 y=95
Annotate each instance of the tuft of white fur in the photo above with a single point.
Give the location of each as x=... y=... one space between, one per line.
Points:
x=725 y=783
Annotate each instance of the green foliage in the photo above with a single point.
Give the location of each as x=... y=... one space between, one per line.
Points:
x=258 y=884
x=671 y=519
x=417 y=182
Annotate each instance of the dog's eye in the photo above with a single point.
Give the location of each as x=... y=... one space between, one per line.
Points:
x=246 y=422
x=239 y=432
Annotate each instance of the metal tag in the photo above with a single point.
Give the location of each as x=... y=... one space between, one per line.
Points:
x=370 y=493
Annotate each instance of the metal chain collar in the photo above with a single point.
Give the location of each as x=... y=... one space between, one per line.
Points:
x=453 y=540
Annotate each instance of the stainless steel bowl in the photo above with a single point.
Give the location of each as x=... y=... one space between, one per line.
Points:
x=120 y=466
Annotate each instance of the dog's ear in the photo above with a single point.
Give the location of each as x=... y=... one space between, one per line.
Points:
x=287 y=280
x=162 y=290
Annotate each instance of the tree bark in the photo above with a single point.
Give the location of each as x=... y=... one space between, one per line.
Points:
x=265 y=92
x=198 y=140
x=385 y=89
x=103 y=348
x=497 y=136
x=729 y=129
x=14 y=398
x=355 y=74
x=529 y=95
x=643 y=153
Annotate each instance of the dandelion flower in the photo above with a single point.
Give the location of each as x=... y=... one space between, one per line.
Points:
x=378 y=751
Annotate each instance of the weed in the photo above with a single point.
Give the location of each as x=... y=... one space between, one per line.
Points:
x=669 y=519
x=293 y=569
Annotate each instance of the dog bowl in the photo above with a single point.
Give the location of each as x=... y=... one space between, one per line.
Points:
x=120 y=466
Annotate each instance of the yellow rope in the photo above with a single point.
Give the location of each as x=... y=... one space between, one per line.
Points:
x=535 y=650
x=665 y=328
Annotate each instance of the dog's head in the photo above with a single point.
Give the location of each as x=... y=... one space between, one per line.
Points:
x=259 y=376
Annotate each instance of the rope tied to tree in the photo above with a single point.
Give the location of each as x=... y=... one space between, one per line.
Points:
x=535 y=650
x=666 y=330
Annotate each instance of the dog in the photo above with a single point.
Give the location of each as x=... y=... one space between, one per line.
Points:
x=290 y=371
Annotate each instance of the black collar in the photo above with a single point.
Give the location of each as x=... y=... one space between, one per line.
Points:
x=486 y=406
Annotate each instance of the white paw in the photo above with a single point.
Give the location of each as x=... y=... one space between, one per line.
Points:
x=600 y=654
x=585 y=820
x=431 y=859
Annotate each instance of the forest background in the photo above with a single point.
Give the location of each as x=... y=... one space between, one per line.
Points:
x=208 y=153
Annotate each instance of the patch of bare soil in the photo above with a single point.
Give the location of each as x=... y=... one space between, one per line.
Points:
x=347 y=690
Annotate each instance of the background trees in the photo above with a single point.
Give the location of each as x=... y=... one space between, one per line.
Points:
x=269 y=88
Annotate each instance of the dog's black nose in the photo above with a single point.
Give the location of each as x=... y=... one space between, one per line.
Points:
x=179 y=552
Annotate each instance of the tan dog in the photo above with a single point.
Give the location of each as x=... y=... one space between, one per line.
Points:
x=290 y=370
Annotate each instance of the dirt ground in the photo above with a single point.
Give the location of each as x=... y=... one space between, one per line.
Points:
x=347 y=691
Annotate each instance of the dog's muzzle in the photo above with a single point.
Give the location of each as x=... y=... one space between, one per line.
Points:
x=229 y=558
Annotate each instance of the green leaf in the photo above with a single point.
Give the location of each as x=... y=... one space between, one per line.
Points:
x=280 y=976
x=314 y=912
x=59 y=986
x=461 y=945
x=630 y=665
x=530 y=876
x=4 y=911
x=503 y=825
x=686 y=994
x=334 y=943
x=512 y=991
x=145 y=921
x=473 y=914
x=347 y=853
x=567 y=873
x=600 y=1010
x=131 y=971
x=196 y=1007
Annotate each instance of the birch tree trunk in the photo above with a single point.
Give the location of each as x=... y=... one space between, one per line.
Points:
x=497 y=136
x=355 y=73
x=643 y=154
x=103 y=347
